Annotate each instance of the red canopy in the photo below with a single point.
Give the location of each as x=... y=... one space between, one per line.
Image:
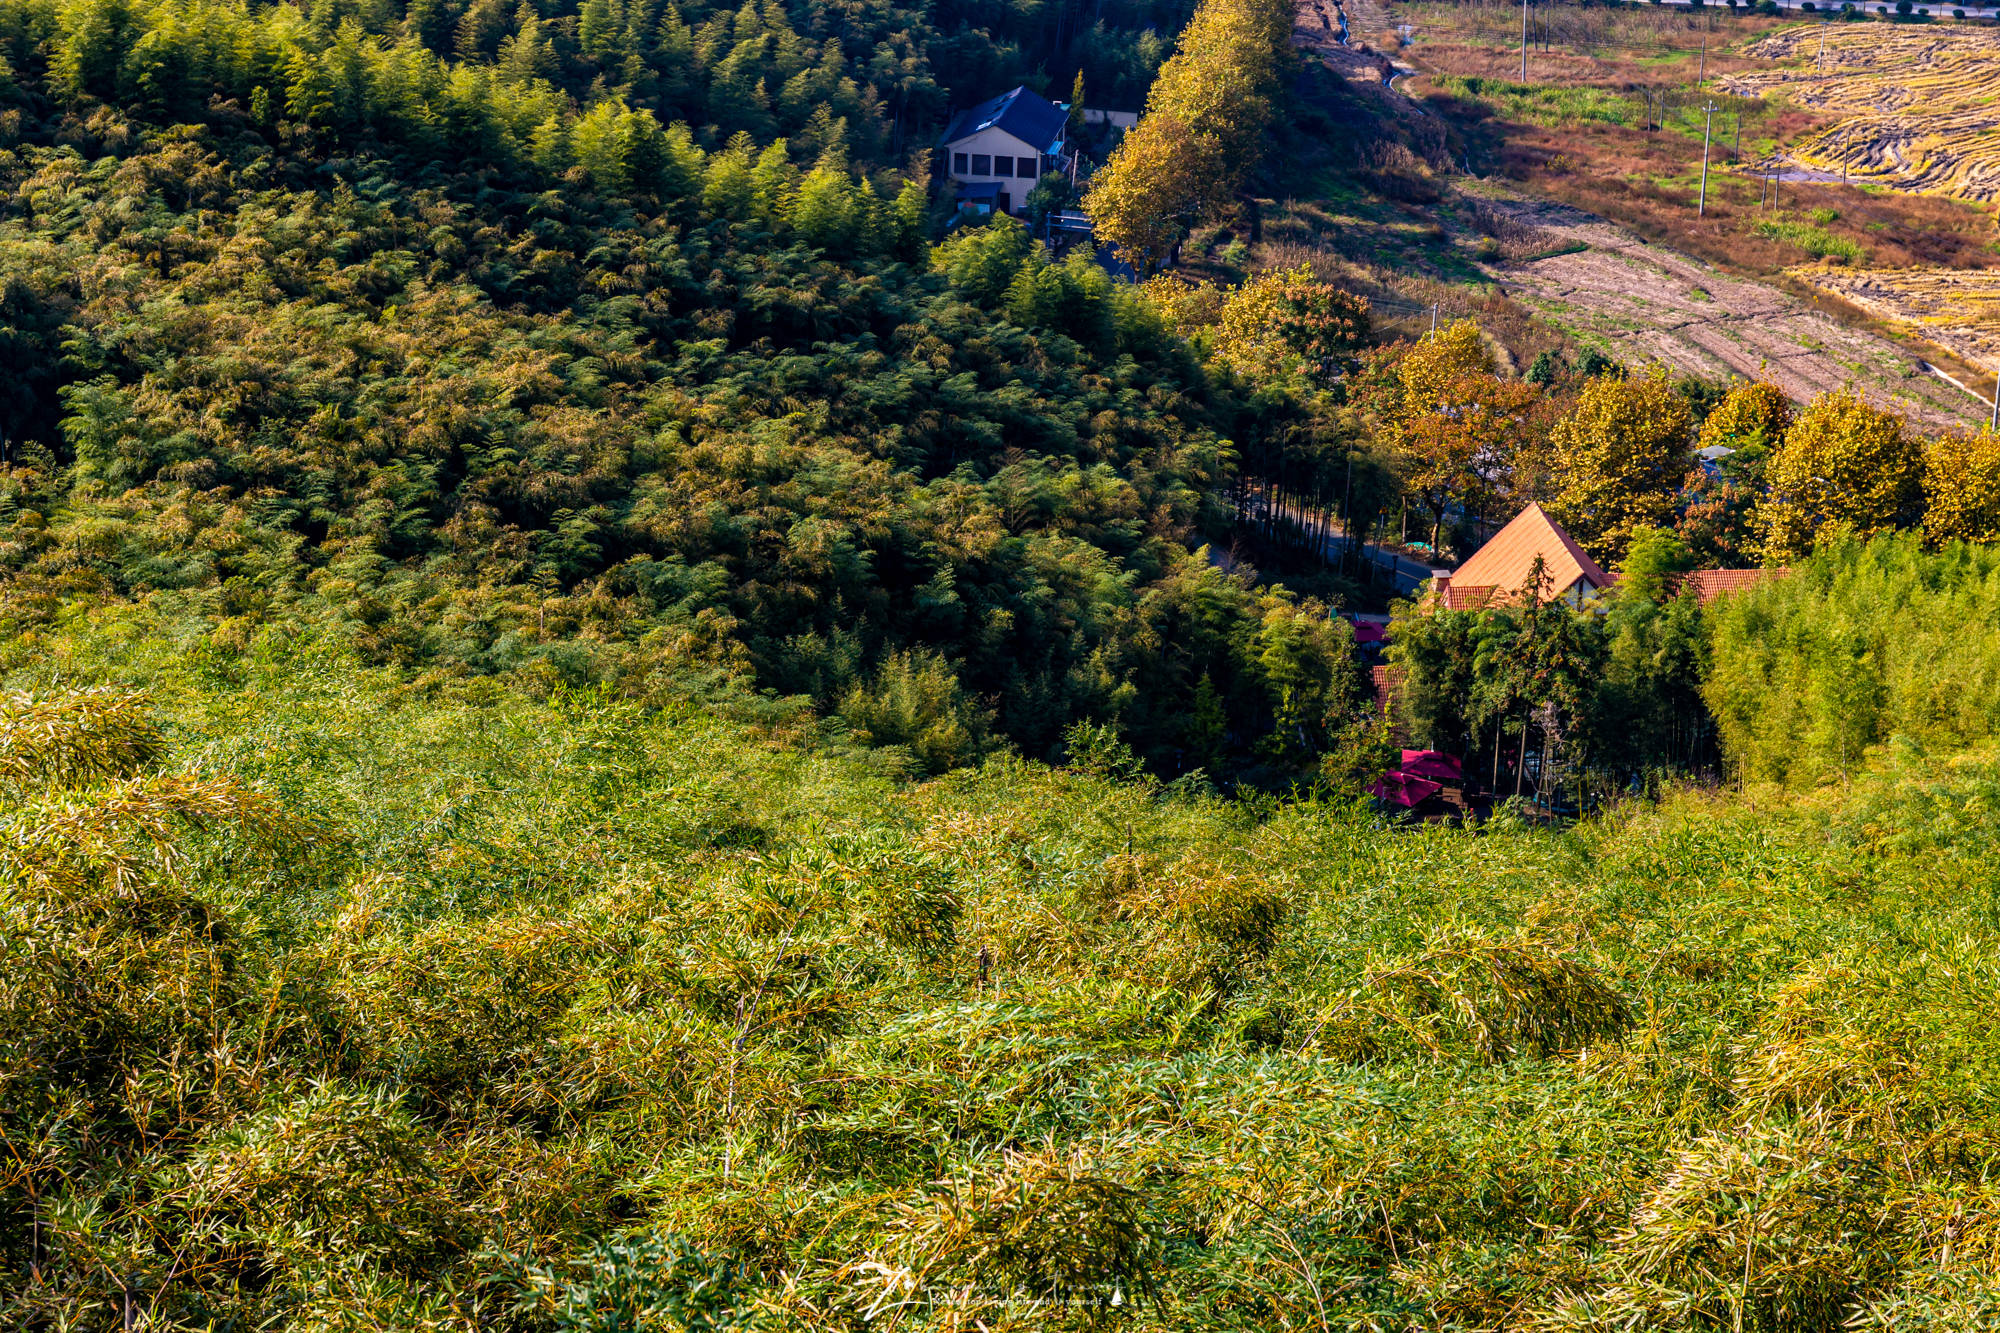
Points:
x=1431 y=764
x=1367 y=631
x=1403 y=789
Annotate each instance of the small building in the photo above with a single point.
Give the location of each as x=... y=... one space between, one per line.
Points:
x=1499 y=570
x=996 y=151
x=1119 y=121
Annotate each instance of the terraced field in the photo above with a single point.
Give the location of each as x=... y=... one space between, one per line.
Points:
x=1920 y=105
x=1646 y=303
x=1958 y=311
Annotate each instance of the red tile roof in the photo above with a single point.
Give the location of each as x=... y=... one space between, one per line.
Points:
x=1499 y=569
x=1710 y=584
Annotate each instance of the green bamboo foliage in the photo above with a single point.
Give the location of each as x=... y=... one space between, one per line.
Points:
x=558 y=1011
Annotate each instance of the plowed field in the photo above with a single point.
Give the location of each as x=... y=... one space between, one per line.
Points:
x=1920 y=106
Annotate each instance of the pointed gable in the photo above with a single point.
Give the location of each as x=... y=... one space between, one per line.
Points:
x=1499 y=569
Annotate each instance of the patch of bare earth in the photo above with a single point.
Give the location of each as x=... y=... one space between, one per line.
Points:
x=1648 y=304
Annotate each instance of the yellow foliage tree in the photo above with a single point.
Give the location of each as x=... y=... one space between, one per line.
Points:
x=1749 y=414
x=1461 y=454
x=1453 y=352
x=1962 y=488
x=1201 y=132
x=1288 y=322
x=1454 y=425
x=1188 y=307
x=1842 y=462
x=1620 y=457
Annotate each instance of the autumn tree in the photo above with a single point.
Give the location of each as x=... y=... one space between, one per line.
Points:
x=1285 y=323
x=1453 y=352
x=1620 y=456
x=1455 y=426
x=1842 y=462
x=1749 y=416
x=1459 y=455
x=1201 y=132
x=1962 y=488
x=1719 y=515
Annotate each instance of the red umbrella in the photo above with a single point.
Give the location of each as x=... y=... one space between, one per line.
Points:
x=1403 y=789
x=1431 y=764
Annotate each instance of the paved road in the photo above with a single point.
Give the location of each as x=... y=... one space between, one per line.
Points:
x=1409 y=574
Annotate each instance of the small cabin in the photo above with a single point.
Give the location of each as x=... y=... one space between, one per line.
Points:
x=998 y=150
x=1499 y=570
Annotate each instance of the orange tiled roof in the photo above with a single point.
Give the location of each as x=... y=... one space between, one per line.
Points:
x=1710 y=584
x=1499 y=569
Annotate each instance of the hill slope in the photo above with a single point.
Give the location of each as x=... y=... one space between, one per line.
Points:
x=1042 y=1048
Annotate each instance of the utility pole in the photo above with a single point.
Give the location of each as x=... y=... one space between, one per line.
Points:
x=1524 y=41
x=1434 y=319
x=1994 y=424
x=1819 y=61
x=1701 y=73
x=1701 y=209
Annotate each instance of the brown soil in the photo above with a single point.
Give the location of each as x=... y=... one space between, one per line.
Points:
x=1645 y=303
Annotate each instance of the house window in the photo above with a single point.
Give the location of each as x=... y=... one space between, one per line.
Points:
x=1003 y=166
x=982 y=165
x=958 y=163
x=1025 y=167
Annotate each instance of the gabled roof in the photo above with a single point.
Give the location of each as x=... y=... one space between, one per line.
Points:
x=1498 y=569
x=1031 y=118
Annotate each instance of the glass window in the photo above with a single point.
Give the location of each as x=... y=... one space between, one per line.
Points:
x=1003 y=166
x=1025 y=167
x=982 y=165
x=958 y=163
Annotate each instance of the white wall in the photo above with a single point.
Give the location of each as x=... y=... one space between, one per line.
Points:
x=993 y=142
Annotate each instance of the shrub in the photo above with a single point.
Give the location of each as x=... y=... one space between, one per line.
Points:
x=915 y=703
x=1860 y=643
x=1049 y=1225
x=1501 y=998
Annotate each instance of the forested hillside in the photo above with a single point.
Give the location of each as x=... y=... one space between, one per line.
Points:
x=614 y=342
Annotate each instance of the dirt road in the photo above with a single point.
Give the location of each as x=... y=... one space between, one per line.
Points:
x=1643 y=303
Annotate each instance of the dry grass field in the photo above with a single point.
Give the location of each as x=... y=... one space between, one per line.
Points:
x=1916 y=106
x=1610 y=123
x=1958 y=311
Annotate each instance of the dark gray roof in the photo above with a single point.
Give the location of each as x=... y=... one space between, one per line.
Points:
x=1032 y=119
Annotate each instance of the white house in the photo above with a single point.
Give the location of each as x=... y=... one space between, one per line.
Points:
x=1000 y=148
